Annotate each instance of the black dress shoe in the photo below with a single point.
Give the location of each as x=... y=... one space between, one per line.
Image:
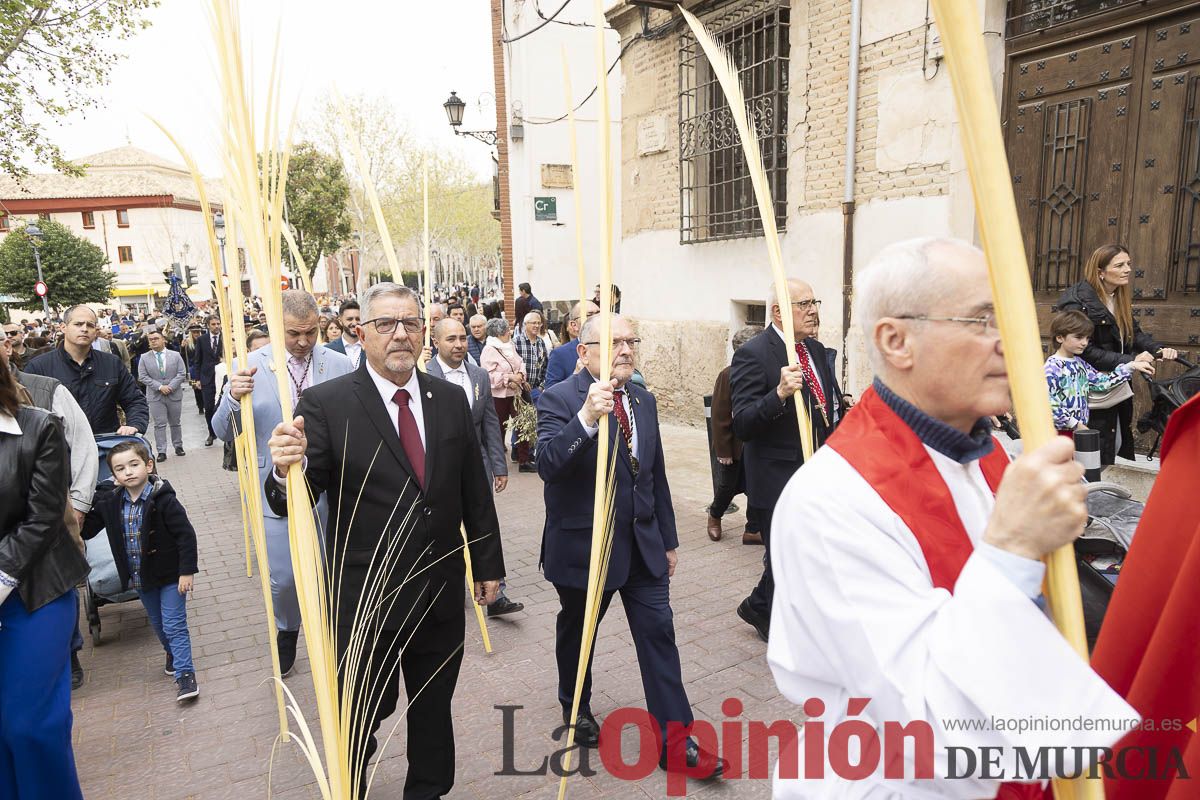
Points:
x=286 y=642
x=527 y=468
x=208 y=442
x=76 y=671
x=754 y=619
x=162 y=457
x=695 y=757
x=503 y=606
x=179 y=451
x=587 y=730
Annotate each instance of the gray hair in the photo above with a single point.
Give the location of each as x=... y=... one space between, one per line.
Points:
x=299 y=304
x=530 y=313
x=496 y=327
x=745 y=334
x=471 y=321
x=591 y=326
x=385 y=290
x=773 y=300
x=897 y=282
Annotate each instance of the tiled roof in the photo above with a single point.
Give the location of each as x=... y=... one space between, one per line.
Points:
x=120 y=172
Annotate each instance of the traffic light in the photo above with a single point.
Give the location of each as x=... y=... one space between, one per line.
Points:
x=190 y=273
x=177 y=270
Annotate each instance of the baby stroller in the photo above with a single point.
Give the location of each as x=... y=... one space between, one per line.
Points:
x=1166 y=396
x=104 y=584
x=1113 y=516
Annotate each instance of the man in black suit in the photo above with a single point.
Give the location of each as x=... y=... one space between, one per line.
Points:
x=764 y=418
x=206 y=356
x=399 y=448
x=644 y=538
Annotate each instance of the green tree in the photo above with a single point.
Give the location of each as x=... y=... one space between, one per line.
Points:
x=317 y=196
x=51 y=55
x=72 y=267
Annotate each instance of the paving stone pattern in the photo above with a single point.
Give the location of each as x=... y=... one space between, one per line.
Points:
x=132 y=740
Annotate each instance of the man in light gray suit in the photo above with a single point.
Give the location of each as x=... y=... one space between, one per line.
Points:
x=163 y=373
x=308 y=364
x=449 y=339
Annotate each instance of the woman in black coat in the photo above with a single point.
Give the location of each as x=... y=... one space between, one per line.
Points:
x=40 y=564
x=1105 y=296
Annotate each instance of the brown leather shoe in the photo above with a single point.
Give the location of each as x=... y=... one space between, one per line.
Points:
x=751 y=538
x=714 y=528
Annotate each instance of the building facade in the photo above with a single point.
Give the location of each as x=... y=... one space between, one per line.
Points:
x=692 y=259
x=140 y=209
x=541 y=185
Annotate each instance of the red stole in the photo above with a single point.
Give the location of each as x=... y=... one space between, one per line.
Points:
x=889 y=456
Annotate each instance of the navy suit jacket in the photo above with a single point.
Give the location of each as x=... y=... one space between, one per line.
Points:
x=205 y=359
x=768 y=428
x=336 y=346
x=561 y=363
x=644 y=517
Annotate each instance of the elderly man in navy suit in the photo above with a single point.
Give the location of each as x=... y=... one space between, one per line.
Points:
x=765 y=392
x=644 y=542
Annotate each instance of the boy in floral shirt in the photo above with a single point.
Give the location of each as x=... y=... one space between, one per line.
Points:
x=1070 y=378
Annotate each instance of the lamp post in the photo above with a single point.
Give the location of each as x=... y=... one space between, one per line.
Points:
x=455 y=106
x=35 y=240
x=219 y=229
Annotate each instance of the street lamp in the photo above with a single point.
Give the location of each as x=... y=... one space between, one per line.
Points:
x=35 y=240
x=219 y=229
x=455 y=106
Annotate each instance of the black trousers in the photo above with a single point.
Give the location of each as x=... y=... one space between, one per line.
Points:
x=648 y=609
x=199 y=400
x=762 y=594
x=429 y=663
x=731 y=481
x=208 y=392
x=1108 y=421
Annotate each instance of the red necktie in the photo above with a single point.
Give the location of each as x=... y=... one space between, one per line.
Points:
x=410 y=437
x=810 y=379
x=626 y=428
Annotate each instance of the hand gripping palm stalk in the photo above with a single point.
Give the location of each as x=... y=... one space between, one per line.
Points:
x=726 y=72
x=996 y=212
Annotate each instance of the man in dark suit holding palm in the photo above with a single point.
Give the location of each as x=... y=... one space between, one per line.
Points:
x=401 y=447
x=644 y=542
x=206 y=357
x=765 y=389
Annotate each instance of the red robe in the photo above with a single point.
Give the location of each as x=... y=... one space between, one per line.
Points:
x=1149 y=647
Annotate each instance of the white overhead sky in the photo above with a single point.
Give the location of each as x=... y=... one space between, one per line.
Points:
x=408 y=51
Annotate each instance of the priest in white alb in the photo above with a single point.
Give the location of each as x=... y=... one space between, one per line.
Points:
x=908 y=563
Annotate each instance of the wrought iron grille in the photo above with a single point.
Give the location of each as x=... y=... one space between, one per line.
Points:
x=1060 y=218
x=1185 y=267
x=1025 y=16
x=716 y=198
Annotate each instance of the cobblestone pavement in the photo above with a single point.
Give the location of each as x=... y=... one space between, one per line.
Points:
x=133 y=741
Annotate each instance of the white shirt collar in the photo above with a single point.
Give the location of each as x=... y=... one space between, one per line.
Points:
x=447 y=369
x=779 y=331
x=9 y=424
x=387 y=391
x=346 y=343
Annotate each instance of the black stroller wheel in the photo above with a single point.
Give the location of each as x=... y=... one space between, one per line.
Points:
x=93 y=616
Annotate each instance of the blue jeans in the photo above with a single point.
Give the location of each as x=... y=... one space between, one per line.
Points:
x=36 y=759
x=167 y=609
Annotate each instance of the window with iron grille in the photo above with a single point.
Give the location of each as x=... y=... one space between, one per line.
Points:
x=716 y=199
x=1025 y=16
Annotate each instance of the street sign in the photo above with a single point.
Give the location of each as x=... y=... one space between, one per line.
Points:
x=545 y=209
x=39 y=288
x=283 y=283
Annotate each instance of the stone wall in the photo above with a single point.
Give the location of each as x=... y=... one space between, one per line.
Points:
x=680 y=362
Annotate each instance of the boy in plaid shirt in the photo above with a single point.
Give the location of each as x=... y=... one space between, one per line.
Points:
x=154 y=546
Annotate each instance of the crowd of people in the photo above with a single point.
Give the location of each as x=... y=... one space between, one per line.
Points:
x=875 y=582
